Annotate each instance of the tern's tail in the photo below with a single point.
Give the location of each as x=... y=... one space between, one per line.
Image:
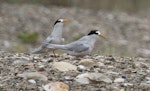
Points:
x=56 y=46
x=40 y=49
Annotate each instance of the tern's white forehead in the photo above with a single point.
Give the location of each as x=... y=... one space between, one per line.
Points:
x=61 y=20
x=98 y=32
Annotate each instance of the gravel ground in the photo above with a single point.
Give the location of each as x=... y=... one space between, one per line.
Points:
x=128 y=35
x=134 y=72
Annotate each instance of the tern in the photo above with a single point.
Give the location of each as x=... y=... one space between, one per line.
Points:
x=81 y=47
x=55 y=37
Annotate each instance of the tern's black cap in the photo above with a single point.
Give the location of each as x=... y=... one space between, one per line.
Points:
x=57 y=21
x=93 y=32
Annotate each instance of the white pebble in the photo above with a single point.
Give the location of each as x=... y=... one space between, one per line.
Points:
x=119 y=80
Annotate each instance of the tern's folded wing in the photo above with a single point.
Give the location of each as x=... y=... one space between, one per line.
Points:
x=78 y=47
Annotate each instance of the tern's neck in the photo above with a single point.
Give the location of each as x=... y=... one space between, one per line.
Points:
x=57 y=31
x=93 y=38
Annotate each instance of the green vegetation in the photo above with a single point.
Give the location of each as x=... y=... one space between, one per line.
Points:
x=27 y=37
x=19 y=48
x=132 y=63
x=77 y=37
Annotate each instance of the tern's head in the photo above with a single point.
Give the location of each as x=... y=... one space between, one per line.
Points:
x=96 y=32
x=60 y=21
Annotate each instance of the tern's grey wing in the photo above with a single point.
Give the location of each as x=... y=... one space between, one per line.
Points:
x=48 y=39
x=78 y=47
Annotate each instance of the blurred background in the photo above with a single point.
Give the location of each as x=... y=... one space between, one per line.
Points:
x=24 y=24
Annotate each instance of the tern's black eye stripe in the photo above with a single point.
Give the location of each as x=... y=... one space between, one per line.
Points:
x=57 y=22
x=93 y=32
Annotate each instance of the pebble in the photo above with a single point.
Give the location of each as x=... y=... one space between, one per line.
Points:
x=119 y=80
x=17 y=62
x=100 y=64
x=128 y=84
x=83 y=78
x=56 y=86
x=81 y=67
x=34 y=75
x=87 y=62
x=44 y=60
x=148 y=80
x=36 y=57
x=64 y=66
x=117 y=89
x=101 y=58
x=112 y=72
x=40 y=65
x=87 y=78
x=32 y=81
x=69 y=78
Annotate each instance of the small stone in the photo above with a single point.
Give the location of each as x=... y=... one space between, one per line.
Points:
x=87 y=78
x=141 y=64
x=101 y=58
x=17 y=62
x=117 y=89
x=128 y=84
x=36 y=57
x=32 y=81
x=111 y=72
x=44 y=60
x=64 y=66
x=110 y=67
x=34 y=75
x=40 y=65
x=100 y=64
x=87 y=62
x=148 y=80
x=83 y=78
x=56 y=86
x=69 y=78
x=119 y=80
x=81 y=67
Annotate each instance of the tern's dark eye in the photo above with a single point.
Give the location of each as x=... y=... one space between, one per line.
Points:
x=93 y=32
